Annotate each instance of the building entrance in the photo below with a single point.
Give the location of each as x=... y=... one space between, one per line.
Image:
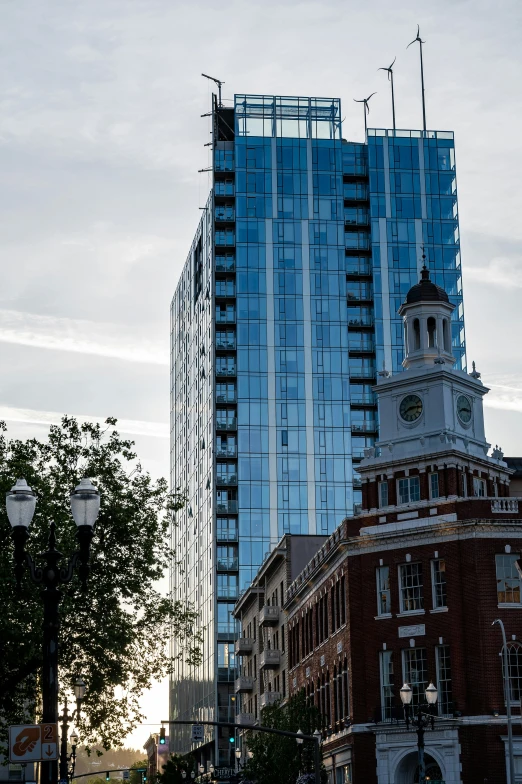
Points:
x=408 y=770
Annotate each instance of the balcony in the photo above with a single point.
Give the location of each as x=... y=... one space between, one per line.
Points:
x=225 y=288
x=244 y=684
x=362 y=399
x=227 y=343
x=356 y=217
x=360 y=321
x=361 y=372
x=360 y=293
x=225 y=397
x=226 y=479
x=225 y=264
x=358 y=346
x=225 y=371
x=244 y=646
x=227 y=316
x=269 y=615
x=364 y=427
x=224 y=188
x=227 y=423
x=225 y=214
x=358 y=266
x=226 y=451
x=227 y=534
x=227 y=592
x=268 y=698
x=226 y=507
x=504 y=505
x=227 y=564
x=245 y=719
x=225 y=239
x=270 y=659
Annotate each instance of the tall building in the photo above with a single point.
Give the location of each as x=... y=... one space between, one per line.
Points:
x=285 y=311
x=406 y=592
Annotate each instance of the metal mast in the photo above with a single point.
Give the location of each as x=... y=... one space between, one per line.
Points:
x=419 y=39
x=389 y=71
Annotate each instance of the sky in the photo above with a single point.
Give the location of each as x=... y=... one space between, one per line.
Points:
x=101 y=139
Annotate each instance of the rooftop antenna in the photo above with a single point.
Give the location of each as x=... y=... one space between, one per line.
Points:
x=219 y=84
x=419 y=39
x=366 y=112
x=389 y=70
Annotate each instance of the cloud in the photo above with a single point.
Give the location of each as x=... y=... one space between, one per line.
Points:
x=80 y=336
x=128 y=426
x=500 y=271
x=506 y=393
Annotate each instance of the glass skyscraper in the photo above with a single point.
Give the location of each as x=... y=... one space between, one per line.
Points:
x=285 y=311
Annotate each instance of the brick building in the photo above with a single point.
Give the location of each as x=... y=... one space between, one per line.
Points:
x=408 y=590
x=262 y=648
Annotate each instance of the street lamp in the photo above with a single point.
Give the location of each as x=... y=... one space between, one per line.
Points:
x=67 y=773
x=20 y=506
x=421 y=721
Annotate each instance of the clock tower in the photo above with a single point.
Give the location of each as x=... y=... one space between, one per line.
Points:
x=431 y=416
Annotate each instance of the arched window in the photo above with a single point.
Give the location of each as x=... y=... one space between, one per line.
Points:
x=445 y=335
x=432 y=332
x=416 y=334
x=514 y=655
x=406 y=343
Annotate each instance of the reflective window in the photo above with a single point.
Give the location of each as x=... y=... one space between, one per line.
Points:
x=410 y=584
x=508 y=578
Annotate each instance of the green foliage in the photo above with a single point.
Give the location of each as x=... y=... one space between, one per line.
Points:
x=274 y=754
x=88 y=760
x=136 y=777
x=172 y=770
x=114 y=635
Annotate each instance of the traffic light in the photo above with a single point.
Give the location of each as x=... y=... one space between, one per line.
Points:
x=144 y=777
x=107 y=776
x=162 y=736
x=232 y=739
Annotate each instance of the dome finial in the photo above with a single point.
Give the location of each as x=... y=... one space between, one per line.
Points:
x=425 y=274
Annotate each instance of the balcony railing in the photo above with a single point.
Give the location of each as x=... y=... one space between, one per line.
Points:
x=268 y=698
x=269 y=615
x=244 y=646
x=227 y=534
x=226 y=507
x=226 y=451
x=225 y=317
x=225 y=265
x=362 y=400
x=229 y=397
x=364 y=427
x=361 y=346
x=226 y=479
x=225 y=370
x=360 y=321
x=227 y=591
x=226 y=424
x=244 y=684
x=503 y=505
x=228 y=290
x=359 y=294
x=225 y=214
x=355 y=217
x=355 y=266
x=245 y=719
x=227 y=564
x=361 y=372
x=226 y=344
x=270 y=659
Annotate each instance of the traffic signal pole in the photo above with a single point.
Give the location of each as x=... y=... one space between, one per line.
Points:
x=316 y=739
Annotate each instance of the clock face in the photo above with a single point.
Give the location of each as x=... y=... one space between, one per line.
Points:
x=464 y=410
x=410 y=408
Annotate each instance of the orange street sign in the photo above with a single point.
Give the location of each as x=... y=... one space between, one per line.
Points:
x=33 y=742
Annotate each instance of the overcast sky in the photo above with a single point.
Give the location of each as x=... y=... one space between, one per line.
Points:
x=101 y=139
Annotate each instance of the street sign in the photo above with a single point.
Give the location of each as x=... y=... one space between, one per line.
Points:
x=33 y=742
x=198 y=733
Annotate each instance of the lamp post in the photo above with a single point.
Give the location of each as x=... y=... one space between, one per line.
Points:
x=66 y=774
x=421 y=721
x=507 y=693
x=20 y=505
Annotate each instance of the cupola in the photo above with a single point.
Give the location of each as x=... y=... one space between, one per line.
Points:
x=426 y=314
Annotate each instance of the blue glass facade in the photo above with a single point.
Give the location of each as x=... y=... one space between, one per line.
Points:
x=285 y=310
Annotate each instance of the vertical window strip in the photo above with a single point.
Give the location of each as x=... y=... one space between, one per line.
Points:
x=410 y=575
x=438 y=572
x=444 y=702
x=387 y=684
x=415 y=672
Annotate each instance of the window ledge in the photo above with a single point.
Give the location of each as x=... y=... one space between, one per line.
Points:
x=409 y=613
x=439 y=610
x=509 y=606
x=384 y=615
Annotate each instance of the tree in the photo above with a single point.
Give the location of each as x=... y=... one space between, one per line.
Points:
x=172 y=770
x=135 y=775
x=115 y=634
x=274 y=753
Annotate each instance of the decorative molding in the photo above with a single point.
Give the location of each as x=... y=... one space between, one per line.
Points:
x=419 y=630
